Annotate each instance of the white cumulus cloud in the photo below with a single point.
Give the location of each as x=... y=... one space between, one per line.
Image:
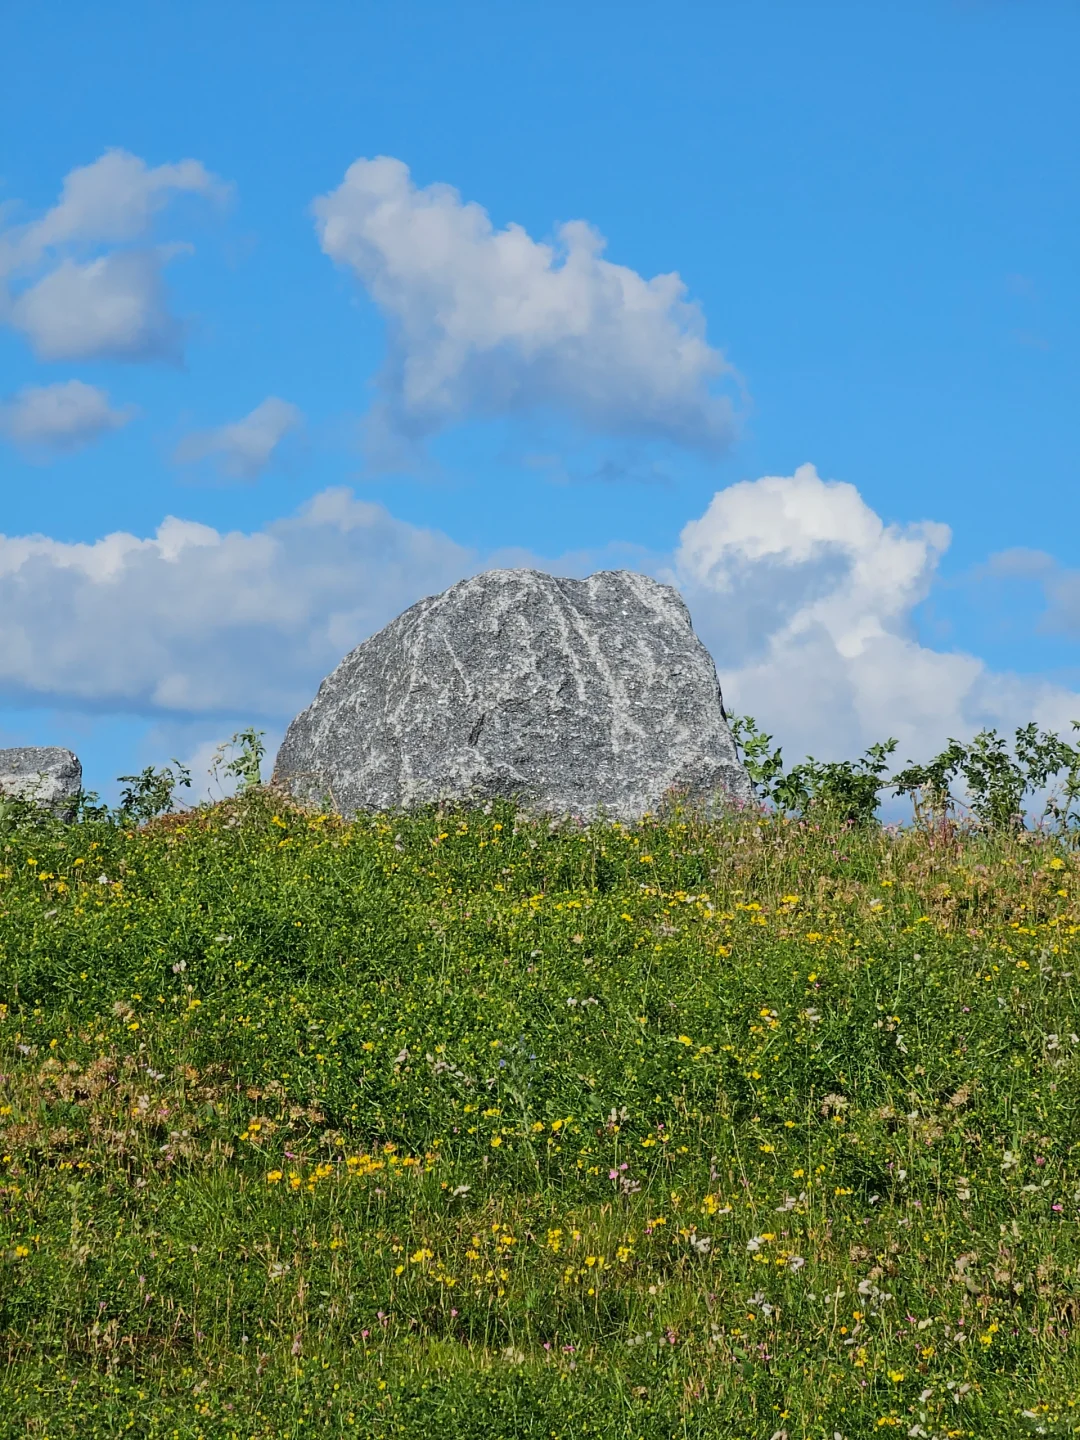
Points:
x=61 y=417
x=808 y=599
x=85 y=280
x=244 y=448
x=196 y=621
x=486 y=322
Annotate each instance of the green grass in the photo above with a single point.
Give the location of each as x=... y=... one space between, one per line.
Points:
x=462 y=1126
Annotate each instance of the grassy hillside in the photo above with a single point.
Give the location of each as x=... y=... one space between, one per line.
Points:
x=461 y=1126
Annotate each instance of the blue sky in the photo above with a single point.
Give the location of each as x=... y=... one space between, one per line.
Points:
x=872 y=211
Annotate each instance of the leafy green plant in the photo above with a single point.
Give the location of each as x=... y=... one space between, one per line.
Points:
x=17 y=812
x=847 y=790
x=1052 y=766
x=929 y=785
x=240 y=757
x=151 y=792
x=996 y=780
x=89 y=806
x=763 y=764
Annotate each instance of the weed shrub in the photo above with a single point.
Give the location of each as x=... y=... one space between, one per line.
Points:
x=470 y=1125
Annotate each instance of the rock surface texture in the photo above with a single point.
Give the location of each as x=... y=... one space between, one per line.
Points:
x=573 y=697
x=46 y=774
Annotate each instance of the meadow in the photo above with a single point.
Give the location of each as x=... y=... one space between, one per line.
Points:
x=469 y=1125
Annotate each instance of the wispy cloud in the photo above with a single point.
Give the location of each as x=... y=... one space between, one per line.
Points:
x=1059 y=584
x=243 y=448
x=57 y=418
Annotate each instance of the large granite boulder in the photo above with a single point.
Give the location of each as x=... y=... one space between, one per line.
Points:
x=577 y=697
x=49 y=776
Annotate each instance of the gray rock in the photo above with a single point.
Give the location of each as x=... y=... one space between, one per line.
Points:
x=577 y=697
x=46 y=774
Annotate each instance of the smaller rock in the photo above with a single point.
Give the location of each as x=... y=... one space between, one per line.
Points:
x=47 y=775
